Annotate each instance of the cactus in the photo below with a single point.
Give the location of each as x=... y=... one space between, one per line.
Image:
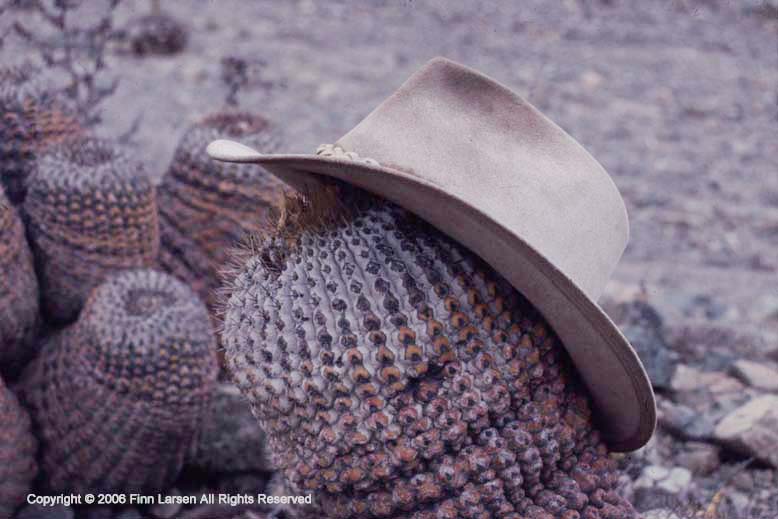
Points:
x=155 y=33
x=90 y=211
x=18 y=289
x=397 y=375
x=17 y=453
x=206 y=207
x=31 y=120
x=118 y=397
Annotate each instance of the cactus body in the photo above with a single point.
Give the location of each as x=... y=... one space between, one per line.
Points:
x=90 y=211
x=155 y=34
x=397 y=375
x=17 y=453
x=206 y=207
x=118 y=397
x=31 y=120
x=18 y=289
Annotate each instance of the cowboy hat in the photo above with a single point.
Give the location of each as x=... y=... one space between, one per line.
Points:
x=487 y=168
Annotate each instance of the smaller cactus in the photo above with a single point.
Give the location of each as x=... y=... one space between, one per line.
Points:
x=18 y=289
x=156 y=33
x=31 y=120
x=17 y=453
x=118 y=397
x=206 y=207
x=90 y=211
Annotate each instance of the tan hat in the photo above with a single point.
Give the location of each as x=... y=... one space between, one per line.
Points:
x=487 y=168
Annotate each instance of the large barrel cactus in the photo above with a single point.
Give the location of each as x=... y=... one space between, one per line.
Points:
x=118 y=397
x=31 y=120
x=17 y=453
x=90 y=210
x=206 y=207
x=18 y=289
x=397 y=375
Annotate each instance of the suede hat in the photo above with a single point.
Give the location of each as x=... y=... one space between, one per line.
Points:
x=484 y=166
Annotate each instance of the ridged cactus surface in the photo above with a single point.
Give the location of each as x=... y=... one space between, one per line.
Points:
x=31 y=120
x=206 y=206
x=17 y=453
x=397 y=375
x=90 y=211
x=118 y=397
x=18 y=289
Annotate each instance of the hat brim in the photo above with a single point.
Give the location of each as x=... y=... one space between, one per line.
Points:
x=625 y=408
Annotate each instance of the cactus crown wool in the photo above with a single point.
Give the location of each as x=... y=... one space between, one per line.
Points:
x=17 y=453
x=31 y=120
x=18 y=290
x=397 y=375
x=91 y=210
x=118 y=397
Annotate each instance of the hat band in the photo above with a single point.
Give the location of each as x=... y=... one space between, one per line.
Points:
x=337 y=152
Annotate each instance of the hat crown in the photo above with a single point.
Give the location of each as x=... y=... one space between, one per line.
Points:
x=473 y=137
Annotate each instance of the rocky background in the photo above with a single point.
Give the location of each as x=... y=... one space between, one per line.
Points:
x=678 y=99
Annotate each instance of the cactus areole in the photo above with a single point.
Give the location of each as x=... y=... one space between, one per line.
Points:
x=492 y=174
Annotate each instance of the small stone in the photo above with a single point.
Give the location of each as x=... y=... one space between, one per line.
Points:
x=741 y=502
x=767 y=308
x=756 y=374
x=744 y=481
x=644 y=328
x=684 y=422
x=676 y=481
x=700 y=458
x=660 y=513
x=591 y=79
x=653 y=498
x=688 y=379
x=752 y=429
x=166 y=510
x=656 y=472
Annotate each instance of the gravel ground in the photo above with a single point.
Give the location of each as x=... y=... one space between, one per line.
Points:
x=678 y=99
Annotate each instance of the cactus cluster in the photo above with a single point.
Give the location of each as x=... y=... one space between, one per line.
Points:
x=31 y=120
x=90 y=211
x=17 y=453
x=397 y=375
x=117 y=398
x=206 y=207
x=18 y=289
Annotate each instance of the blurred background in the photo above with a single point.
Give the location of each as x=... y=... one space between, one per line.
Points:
x=678 y=99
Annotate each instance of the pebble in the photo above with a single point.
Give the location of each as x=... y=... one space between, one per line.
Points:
x=672 y=480
x=756 y=374
x=643 y=326
x=660 y=513
x=700 y=458
x=684 y=422
x=687 y=378
x=677 y=480
x=752 y=429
